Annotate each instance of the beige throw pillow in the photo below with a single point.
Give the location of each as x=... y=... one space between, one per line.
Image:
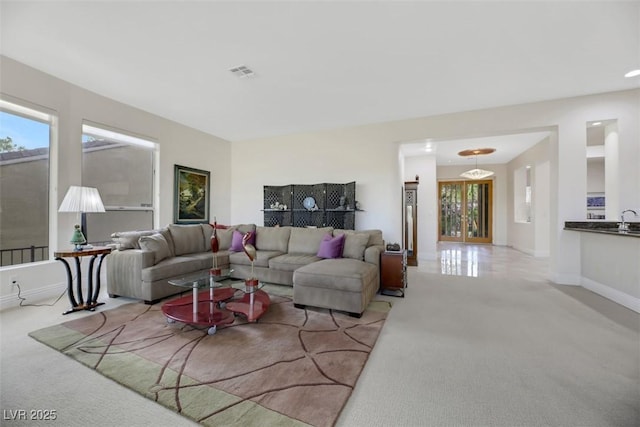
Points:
x=354 y=245
x=187 y=239
x=157 y=244
x=224 y=238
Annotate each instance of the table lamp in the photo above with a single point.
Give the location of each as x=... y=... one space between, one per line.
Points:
x=81 y=200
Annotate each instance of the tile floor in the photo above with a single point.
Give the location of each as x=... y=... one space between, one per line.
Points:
x=485 y=260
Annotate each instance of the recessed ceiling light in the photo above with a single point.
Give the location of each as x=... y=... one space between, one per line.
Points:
x=596 y=123
x=633 y=73
x=242 y=71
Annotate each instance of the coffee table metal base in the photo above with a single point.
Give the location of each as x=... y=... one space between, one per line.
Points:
x=201 y=309
x=252 y=305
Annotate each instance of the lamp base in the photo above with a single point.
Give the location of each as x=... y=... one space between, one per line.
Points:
x=78 y=238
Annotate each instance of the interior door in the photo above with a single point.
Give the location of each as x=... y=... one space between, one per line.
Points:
x=466 y=212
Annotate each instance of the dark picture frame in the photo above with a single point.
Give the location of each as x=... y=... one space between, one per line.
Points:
x=191 y=195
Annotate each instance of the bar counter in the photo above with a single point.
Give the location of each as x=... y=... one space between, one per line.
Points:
x=603 y=227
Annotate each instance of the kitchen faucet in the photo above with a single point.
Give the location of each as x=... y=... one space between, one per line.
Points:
x=623 y=226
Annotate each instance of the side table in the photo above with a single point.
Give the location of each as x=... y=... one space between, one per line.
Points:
x=92 y=294
x=393 y=273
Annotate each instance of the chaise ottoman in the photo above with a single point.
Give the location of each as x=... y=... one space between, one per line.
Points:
x=343 y=284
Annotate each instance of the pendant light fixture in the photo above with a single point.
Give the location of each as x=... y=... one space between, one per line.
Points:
x=476 y=173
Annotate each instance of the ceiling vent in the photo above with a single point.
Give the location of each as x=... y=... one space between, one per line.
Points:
x=242 y=71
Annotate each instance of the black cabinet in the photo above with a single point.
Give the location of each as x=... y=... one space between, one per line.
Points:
x=317 y=205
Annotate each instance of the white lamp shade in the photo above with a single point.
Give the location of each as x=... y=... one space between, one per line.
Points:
x=81 y=199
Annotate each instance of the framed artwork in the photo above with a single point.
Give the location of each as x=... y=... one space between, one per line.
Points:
x=191 y=195
x=595 y=201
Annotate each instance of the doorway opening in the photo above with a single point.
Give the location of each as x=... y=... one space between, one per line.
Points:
x=465 y=211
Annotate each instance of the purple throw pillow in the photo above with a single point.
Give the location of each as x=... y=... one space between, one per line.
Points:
x=236 y=241
x=331 y=247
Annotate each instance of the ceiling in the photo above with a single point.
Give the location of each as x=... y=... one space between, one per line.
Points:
x=325 y=65
x=446 y=152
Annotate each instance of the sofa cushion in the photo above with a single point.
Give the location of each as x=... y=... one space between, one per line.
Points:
x=207 y=232
x=129 y=239
x=354 y=244
x=157 y=244
x=169 y=268
x=331 y=247
x=289 y=262
x=187 y=239
x=341 y=274
x=262 y=258
x=273 y=238
x=167 y=236
x=224 y=238
x=306 y=240
x=375 y=236
x=244 y=228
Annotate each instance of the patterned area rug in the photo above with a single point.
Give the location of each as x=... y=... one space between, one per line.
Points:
x=293 y=367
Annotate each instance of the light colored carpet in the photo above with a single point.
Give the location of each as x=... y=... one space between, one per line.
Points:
x=498 y=352
x=292 y=368
x=456 y=351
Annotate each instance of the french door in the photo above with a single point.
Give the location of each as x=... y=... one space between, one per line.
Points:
x=466 y=212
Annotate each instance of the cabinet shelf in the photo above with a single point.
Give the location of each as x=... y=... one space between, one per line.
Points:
x=328 y=199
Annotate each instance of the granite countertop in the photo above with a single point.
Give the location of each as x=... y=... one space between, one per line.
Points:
x=603 y=227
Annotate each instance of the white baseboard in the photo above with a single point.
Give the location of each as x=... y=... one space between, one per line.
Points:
x=615 y=295
x=33 y=296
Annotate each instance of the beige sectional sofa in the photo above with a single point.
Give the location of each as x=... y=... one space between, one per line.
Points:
x=144 y=261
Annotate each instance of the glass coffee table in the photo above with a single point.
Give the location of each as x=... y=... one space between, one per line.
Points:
x=253 y=304
x=201 y=308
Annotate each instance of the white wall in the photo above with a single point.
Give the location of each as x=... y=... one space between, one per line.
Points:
x=526 y=236
x=178 y=145
x=340 y=156
x=595 y=177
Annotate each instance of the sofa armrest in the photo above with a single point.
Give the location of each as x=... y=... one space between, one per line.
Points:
x=124 y=269
x=372 y=254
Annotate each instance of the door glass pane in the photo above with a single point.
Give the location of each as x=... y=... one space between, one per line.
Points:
x=477 y=210
x=451 y=210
